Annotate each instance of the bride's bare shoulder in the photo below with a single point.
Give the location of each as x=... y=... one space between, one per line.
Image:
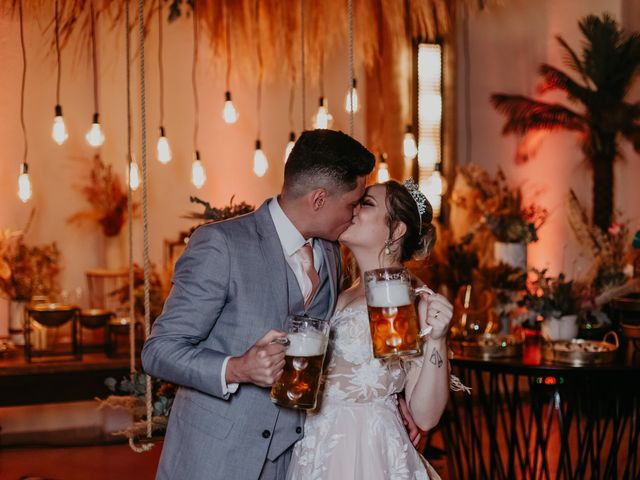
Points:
x=352 y=297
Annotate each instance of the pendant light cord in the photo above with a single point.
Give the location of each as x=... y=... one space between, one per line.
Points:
x=260 y=64
x=227 y=26
x=24 y=79
x=160 y=62
x=302 y=74
x=194 y=83
x=351 y=69
x=94 y=57
x=57 y=27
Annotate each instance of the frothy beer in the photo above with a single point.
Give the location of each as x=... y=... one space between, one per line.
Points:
x=392 y=319
x=298 y=385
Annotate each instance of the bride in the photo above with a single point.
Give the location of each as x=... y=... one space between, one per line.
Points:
x=357 y=432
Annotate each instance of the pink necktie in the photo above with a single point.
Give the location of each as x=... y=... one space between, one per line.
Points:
x=305 y=257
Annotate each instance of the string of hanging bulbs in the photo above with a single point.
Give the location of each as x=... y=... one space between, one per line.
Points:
x=322 y=119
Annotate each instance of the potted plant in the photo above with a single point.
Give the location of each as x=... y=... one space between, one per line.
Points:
x=557 y=301
x=25 y=271
x=512 y=223
x=607 y=67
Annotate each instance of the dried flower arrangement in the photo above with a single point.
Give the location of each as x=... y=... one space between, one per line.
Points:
x=26 y=270
x=552 y=296
x=500 y=207
x=156 y=292
x=107 y=197
x=609 y=250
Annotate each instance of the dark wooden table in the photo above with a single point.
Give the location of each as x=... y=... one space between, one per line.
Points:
x=23 y=383
x=528 y=419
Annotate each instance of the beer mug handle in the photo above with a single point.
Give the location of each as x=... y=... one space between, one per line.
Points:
x=426 y=330
x=424 y=289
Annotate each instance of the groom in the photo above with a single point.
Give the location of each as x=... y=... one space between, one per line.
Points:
x=232 y=290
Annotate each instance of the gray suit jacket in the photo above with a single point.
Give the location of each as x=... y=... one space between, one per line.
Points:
x=229 y=289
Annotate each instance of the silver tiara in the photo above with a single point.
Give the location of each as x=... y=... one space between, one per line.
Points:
x=418 y=196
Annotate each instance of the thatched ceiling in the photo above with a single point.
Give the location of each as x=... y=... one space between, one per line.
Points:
x=377 y=24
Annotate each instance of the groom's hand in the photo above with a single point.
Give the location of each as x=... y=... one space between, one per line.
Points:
x=261 y=365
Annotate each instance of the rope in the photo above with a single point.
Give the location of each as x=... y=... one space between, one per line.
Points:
x=304 y=92
x=145 y=205
x=351 y=73
x=132 y=311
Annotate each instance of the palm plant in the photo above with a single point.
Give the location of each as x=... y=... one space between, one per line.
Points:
x=607 y=67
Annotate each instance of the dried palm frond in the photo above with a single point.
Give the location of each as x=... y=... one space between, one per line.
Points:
x=581 y=228
x=377 y=24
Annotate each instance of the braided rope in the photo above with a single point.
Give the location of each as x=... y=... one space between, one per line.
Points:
x=132 y=312
x=145 y=207
x=351 y=73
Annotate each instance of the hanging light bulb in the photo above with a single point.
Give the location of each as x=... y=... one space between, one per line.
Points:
x=323 y=119
x=164 y=150
x=59 y=130
x=383 y=169
x=349 y=103
x=434 y=188
x=229 y=112
x=24 y=183
x=134 y=174
x=409 y=144
x=292 y=142
x=260 y=162
x=94 y=136
x=198 y=175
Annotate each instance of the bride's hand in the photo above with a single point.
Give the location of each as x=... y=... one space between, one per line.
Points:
x=435 y=310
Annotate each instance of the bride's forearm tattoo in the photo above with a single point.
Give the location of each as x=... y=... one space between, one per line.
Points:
x=435 y=358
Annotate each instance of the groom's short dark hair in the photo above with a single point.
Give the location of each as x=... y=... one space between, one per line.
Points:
x=325 y=158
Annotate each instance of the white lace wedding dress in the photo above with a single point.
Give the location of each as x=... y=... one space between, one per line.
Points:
x=357 y=433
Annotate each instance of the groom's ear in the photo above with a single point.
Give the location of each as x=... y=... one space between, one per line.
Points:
x=318 y=199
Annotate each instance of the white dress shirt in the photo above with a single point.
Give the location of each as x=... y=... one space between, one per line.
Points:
x=291 y=240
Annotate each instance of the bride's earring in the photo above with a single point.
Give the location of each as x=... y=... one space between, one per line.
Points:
x=387 y=247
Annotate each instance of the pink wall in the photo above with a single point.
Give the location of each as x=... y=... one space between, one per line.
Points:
x=506 y=46
x=227 y=150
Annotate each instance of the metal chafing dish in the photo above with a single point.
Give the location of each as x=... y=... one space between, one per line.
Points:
x=52 y=314
x=579 y=352
x=489 y=346
x=93 y=318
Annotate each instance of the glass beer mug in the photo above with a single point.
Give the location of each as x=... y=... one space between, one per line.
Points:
x=393 y=319
x=298 y=385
